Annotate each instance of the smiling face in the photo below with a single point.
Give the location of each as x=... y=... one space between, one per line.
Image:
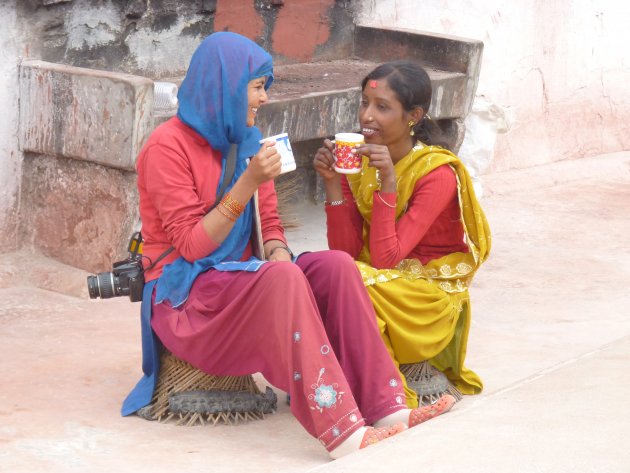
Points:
x=256 y=96
x=384 y=120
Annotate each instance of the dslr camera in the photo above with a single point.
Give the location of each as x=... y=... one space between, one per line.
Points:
x=126 y=277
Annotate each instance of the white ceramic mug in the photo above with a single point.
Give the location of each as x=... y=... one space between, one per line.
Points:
x=283 y=145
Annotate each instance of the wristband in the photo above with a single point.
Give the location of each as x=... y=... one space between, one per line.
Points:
x=286 y=248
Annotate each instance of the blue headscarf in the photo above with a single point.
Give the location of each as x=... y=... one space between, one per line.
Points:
x=213 y=101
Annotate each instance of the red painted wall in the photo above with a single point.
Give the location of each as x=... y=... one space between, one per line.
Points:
x=298 y=26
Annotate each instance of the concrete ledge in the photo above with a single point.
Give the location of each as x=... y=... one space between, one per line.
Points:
x=98 y=116
x=26 y=268
x=312 y=116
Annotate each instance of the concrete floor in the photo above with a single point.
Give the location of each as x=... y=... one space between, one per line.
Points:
x=550 y=337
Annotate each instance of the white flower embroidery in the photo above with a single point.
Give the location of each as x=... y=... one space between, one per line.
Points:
x=445 y=286
x=335 y=432
x=399 y=400
x=297 y=376
x=325 y=349
x=353 y=418
x=393 y=383
x=326 y=395
x=445 y=269
x=463 y=268
x=297 y=336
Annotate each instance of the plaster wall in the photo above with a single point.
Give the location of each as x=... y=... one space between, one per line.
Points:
x=10 y=157
x=559 y=68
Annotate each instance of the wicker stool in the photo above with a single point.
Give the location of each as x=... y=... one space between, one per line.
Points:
x=190 y=396
x=428 y=382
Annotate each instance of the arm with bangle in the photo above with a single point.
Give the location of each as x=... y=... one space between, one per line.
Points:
x=277 y=250
x=344 y=223
x=230 y=209
x=263 y=167
x=275 y=245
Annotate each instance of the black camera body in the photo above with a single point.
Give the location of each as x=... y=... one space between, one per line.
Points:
x=126 y=277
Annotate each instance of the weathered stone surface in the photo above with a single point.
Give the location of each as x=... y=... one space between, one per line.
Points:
x=96 y=116
x=312 y=116
x=78 y=213
x=436 y=51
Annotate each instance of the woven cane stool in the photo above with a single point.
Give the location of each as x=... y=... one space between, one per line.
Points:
x=189 y=396
x=428 y=382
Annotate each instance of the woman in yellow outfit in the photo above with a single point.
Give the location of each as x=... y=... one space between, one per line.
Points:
x=412 y=222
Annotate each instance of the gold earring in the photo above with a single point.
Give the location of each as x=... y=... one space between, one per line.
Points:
x=411 y=124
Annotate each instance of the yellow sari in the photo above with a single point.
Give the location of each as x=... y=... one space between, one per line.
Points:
x=424 y=310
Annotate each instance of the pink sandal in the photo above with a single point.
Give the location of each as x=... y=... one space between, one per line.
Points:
x=425 y=413
x=376 y=434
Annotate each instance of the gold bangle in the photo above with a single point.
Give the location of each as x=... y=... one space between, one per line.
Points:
x=226 y=213
x=232 y=205
x=383 y=200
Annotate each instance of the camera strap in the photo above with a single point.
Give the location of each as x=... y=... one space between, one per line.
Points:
x=230 y=168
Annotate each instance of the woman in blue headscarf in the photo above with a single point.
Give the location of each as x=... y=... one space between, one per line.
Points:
x=214 y=305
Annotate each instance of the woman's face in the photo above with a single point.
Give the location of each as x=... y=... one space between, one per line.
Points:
x=382 y=117
x=256 y=96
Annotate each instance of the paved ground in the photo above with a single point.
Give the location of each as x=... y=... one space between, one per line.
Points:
x=550 y=337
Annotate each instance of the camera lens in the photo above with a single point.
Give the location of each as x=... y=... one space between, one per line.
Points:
x=92 y=283
x=101 y=286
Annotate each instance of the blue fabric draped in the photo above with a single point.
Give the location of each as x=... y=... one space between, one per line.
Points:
x=143 y=392
x=213 y=101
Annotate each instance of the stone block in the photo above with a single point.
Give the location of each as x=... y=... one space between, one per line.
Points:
x=76 y=212
x=91 y=115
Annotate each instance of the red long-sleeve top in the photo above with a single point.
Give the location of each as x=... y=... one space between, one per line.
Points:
x=178 y=176
x=430 y=228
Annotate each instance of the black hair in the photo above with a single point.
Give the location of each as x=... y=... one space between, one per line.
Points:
x=412 y=86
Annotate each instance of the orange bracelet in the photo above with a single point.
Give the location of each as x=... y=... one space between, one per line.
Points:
x=227 y=214
x=232 y=205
